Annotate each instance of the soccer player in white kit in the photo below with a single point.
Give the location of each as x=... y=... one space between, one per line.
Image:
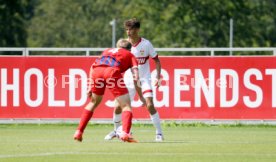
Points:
x=143 y=50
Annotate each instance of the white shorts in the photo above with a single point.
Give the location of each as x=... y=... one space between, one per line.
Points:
x=145 y=85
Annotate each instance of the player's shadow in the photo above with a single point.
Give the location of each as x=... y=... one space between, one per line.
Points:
x=163 y=142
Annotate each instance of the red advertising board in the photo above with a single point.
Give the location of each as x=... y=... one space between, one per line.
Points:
x=192 y=88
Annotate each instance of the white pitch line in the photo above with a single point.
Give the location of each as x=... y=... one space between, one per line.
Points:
x=134 y=154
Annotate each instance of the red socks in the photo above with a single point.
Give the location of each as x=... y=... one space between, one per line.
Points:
x=126 y=121
x=85 y=117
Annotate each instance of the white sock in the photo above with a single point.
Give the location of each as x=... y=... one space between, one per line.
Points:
x=156 y=122
x=117 y=118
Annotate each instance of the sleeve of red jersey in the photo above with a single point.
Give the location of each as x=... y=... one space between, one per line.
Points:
x=134 y=61
x=153 y=54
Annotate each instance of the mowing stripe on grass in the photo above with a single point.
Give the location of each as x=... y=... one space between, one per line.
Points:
x=135 y=154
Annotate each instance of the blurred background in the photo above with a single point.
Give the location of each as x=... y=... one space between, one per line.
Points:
x=166 y=23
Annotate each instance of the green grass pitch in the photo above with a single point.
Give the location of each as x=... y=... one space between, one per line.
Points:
x=35 y=143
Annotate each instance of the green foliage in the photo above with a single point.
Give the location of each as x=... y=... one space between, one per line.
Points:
x=71 y=23
x=13 y=16
x=197 y=23
x=174 y=23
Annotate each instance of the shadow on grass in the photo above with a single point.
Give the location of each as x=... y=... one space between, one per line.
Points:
x=163 y=142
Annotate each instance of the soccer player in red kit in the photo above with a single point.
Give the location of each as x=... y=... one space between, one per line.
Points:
x=106 y=72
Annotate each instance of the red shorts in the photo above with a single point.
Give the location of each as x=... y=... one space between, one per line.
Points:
x=108 y=77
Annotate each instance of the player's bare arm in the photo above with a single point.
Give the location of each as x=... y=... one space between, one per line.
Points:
x=136 y=81
x=89 y=93
x=157 y=62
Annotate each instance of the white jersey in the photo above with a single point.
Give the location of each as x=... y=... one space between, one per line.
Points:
x=143 y=50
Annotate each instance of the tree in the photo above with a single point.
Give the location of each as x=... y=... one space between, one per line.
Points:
x=13 y=15
x=174 y=23
x=70 y=23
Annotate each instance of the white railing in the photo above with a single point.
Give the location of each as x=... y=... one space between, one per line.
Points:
x=213 y=50
x=26 y=51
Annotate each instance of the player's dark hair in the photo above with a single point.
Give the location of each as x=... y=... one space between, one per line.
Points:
x=132 y=23
x=123 y=43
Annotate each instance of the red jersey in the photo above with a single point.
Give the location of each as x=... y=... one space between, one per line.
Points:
x=116 y=57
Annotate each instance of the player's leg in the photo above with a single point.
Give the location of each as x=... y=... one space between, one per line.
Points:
x=86 y=115
x=124 y=102
x=117 y=118
x=121 y=94
x=154 y=115
x=95 y=99
x=117 y=114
